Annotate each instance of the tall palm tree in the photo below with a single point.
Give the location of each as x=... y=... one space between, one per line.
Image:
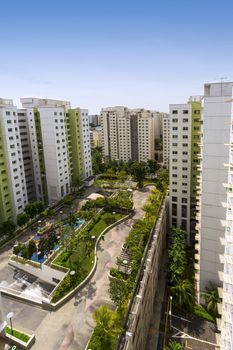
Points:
x=173 y=345
x=183 y=294
x=212 y=299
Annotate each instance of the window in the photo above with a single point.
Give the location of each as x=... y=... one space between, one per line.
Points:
x=174 y=152
x=184 y=168
x=184 y=225
x=174 y=144
x=185 y=153
x=185 y=145
x=184 y=211
x=174 y=136
x=184 y=176
x=174 y=160
x=174 y=209
x=174 y=111
x=174 y=175
x=174 y=199
x=174 y=222
x=185 y=111
x=175 y=128
x=185 y=136
x=196 y=111
x=174 y=120
x=184 y=200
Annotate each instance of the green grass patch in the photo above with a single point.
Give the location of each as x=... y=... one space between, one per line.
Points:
x=19 y=335
x=199 y=311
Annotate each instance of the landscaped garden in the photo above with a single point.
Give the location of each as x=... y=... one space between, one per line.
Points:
x=78 y=248
x=109 y=323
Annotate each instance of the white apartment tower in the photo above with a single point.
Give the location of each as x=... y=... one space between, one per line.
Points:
x=166 y=140
x=185 y=125
x=13 y=190
x=215 y=231
x=129 y=134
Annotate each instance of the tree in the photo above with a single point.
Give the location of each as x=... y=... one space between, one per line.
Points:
x=118 y=291
x=183 y=293
x=34 y=208
x=31 y=210
x=43 y=246
x=122 y=175
x=8 y=227
x=212 y=299
x=152 y=166
x=31 y=248
x=22 y=219
x=138 y=170
x=173 y=345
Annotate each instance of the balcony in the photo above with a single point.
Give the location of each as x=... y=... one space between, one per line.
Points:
x=219 y=307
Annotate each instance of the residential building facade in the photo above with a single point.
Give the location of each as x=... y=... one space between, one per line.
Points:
x=129 y=134
x=185 y=136
x=96 y=137
x=13 y=190
x=166 y=140
x=44 y=151
x=214 y=248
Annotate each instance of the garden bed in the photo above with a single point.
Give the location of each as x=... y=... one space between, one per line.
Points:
x=83 y=259
x=19 y=338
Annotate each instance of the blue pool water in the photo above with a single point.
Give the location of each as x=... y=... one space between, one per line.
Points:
x=38 y=258
x=77 y=224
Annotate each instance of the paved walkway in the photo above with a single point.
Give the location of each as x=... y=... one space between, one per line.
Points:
x=70 y=327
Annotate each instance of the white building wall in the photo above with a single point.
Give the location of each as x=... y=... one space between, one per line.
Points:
x=124 y=137
x=26 y=153
x=180 y=165
x=166 y=140
x=146 y=136
x=86 y=145
x=13 y=158
x=55 y=152
x=216 y=133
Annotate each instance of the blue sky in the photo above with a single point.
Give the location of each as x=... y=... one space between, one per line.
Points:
x=99 y=53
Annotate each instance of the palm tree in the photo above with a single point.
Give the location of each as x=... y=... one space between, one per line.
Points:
x=173 y=345
x=212 y=299
x=183 y=294
x=103 y=317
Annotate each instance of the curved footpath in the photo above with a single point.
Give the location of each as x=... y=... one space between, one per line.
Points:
x=70 y=327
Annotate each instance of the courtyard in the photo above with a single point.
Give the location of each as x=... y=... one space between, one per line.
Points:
x=73 y=323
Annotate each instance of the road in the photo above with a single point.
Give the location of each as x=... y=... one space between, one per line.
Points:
x=70 y=327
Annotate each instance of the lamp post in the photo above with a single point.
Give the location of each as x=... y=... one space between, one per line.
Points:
x=125 y=262
x=170 y=311
x=9 y=317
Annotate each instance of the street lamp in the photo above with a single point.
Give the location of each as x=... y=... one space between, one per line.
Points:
x=9 y=317
x=170 y=311
x=125 y=262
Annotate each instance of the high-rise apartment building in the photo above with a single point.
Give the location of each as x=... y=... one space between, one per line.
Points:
x=96 y=137
x=129 y=134
x=13 y=188
x=166 y=140
x=185 y=133
x=44 y=150
x=60 y=144
x=215 y=226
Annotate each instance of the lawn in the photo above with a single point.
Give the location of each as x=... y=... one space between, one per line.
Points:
x=19 y=335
